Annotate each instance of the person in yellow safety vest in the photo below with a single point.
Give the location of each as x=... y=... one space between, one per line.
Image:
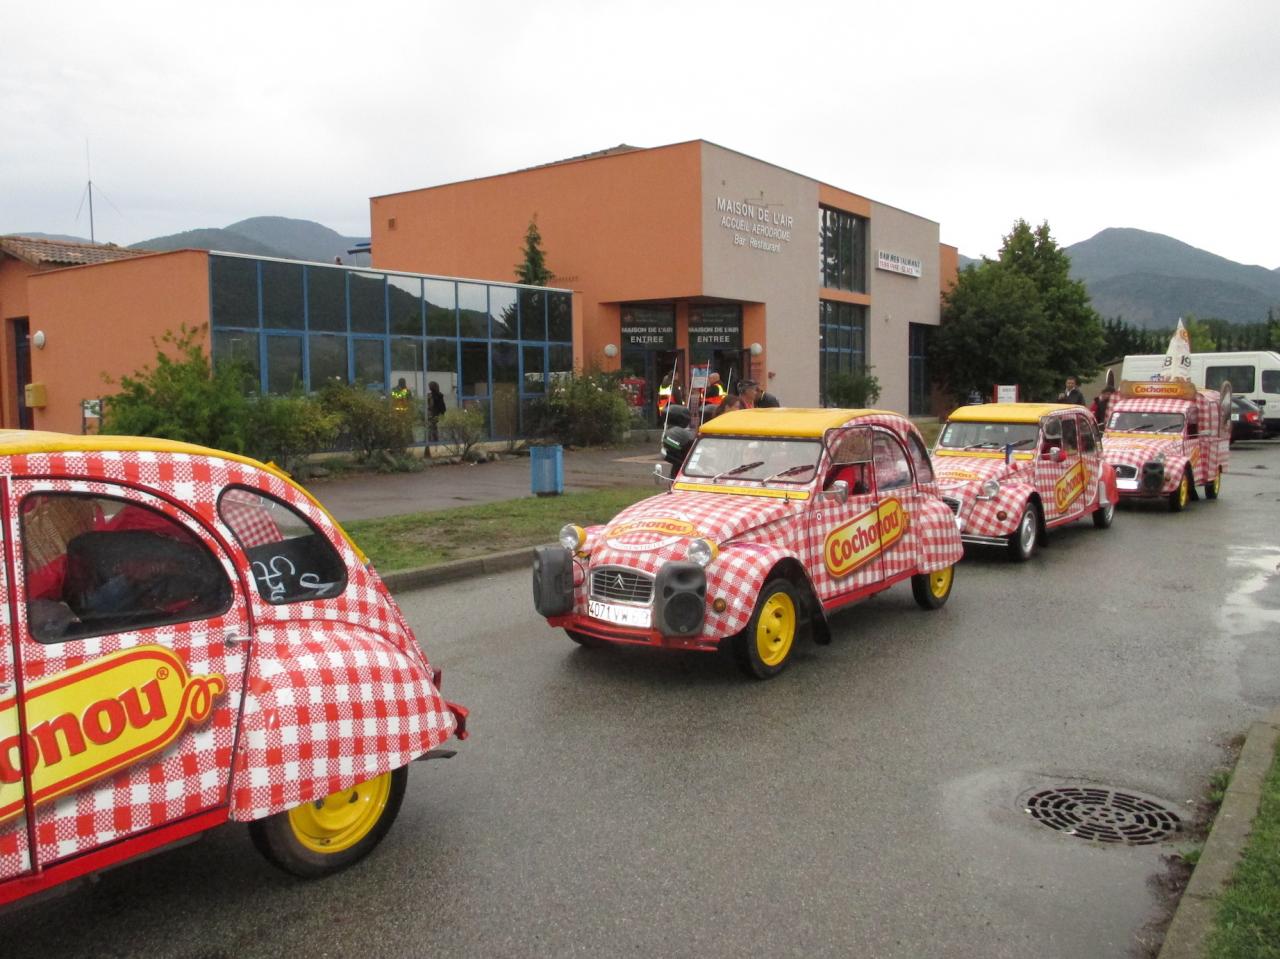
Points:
x=715 y=392
x=668 y=392
x=400 y=397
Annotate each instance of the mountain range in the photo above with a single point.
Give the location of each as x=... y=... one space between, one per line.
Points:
x=1150 y=280
x=1147 y=279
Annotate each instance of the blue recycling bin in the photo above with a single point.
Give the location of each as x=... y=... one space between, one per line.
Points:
x=547 y=463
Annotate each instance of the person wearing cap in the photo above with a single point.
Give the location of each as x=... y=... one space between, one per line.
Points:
x=715 y=392
x=754 y=397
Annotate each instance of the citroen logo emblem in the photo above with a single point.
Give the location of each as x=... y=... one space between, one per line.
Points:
x=619 y=582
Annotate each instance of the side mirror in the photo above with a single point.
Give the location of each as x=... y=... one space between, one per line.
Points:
x=660 y=474
x=839 y=492
x=1055 y=454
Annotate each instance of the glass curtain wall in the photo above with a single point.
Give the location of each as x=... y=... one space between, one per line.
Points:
x=492 y=347
x=842 y=250
x=918 y=368
x=842 y=341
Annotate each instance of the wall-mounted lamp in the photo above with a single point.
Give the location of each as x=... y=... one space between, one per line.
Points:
x=37 y=339
x=756 y=349
x=610 y=350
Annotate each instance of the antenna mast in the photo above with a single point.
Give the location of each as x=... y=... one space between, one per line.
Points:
x=89 y=172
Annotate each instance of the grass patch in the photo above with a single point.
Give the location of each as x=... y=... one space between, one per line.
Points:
x=1247 y=925
x=424 y=539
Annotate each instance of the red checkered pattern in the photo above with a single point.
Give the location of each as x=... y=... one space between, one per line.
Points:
x=14 y=856
x=326 y=710
x=755 y=533
x=249 y=519
x=388 y=699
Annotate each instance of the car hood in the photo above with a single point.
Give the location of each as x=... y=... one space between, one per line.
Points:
x=957 y=473
x=1130 y=448
x=665 y=524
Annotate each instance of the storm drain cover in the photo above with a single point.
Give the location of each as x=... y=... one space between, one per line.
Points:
x=1103 y=815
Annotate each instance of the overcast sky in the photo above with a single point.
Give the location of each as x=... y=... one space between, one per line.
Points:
x=1160 y=114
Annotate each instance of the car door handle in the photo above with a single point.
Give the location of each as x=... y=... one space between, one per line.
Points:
x=232 y=640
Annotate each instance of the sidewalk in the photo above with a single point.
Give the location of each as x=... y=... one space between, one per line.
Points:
x=374 y=495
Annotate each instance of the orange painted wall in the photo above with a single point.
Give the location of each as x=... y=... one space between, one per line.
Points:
x=13 y=304
x=843 y=200
x=618 y=228
x=102 y=318
x=948 y=267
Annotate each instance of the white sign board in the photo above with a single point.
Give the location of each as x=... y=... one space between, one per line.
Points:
x=896 y=263
x=1007 y=394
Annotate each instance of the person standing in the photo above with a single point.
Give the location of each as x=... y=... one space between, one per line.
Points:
x=1072 y=394
x=401 y=396
x=668 y=393
x=1101 y=403
x=755 y=398
x=435 y=410
x=715 y=392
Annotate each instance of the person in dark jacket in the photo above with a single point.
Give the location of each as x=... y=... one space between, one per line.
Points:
x=754 y=397
x=435 y=410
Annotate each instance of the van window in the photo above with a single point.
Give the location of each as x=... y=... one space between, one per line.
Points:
x=1271 y=381
x=1241 y=377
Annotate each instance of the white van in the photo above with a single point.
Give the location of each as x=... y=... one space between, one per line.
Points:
x=1254 y=374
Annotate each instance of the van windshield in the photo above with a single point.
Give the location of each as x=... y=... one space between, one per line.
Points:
x=989 y=436
x=1134 y=422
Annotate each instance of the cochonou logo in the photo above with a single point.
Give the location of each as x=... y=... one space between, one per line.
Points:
x=857 y=542
x=667 y=530
x=96 y=719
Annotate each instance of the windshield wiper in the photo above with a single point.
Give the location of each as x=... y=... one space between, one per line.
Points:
x=736 y=470
x=1022 y=443
x=791 y=471
x=984 y=446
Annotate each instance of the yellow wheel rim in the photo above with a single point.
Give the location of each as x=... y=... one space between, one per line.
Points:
x=940 y=582
x=776 y=629
x=341 y=819
x=1184 y=491
x=1217 y=483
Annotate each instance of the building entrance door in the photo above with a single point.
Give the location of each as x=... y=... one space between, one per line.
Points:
x=22 y=356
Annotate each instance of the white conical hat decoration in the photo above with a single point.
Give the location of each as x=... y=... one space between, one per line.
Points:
x=1177 y=357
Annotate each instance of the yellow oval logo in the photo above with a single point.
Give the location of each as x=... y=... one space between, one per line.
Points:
x=1068 y=489
x=860 y=540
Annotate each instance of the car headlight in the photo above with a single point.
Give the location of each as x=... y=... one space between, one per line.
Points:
x=989 y=490
x=573 y=537
x=702 y=552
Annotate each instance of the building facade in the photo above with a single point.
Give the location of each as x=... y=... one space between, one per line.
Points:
x=692 y=253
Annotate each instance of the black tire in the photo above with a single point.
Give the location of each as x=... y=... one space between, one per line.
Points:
x=932 y=590
x=278 y=840
x=763 y=649
x=1211 y=489
x=1023 y=540
x=1181 y=494
x=1106 y=511
x=585 y=641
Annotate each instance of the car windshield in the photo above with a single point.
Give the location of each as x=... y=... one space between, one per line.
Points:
x=1131 y=421
x=753 y=458
x=989 y=436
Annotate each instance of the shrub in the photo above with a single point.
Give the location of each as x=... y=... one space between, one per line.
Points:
x=379 y=435
x=183 y=398
x=461 y=430
x=588 y=409
x=287 y=428
x=853 y=390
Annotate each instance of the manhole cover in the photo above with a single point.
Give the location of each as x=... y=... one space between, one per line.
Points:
x=1103 y=815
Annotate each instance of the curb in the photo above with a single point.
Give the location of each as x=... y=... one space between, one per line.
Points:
x=1193 y=919
x=404 y=580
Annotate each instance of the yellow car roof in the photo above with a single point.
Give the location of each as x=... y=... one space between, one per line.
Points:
x=20 y=442
x=1008 y=412
x=780 y=421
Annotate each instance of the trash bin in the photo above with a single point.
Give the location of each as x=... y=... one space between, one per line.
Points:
x=547 y=463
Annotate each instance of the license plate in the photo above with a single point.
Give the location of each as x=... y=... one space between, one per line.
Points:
x=1235 y=417
x=1129 y=485
x=639 y=617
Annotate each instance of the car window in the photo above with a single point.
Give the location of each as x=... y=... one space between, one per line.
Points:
x=1270 y=381
x=99 y=564
x=1241 y=377
x=1088 y=435
x=1070 y=441
x=920 y=459
x=891 y=466
x=291 y=560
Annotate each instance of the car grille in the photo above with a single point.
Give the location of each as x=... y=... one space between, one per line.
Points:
x=1126 y=472
x=621 y=585
x=952 y=503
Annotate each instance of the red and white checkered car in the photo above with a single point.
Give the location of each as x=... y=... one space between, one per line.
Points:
x=1167 y=439
x=777 y=518
x=187 y=637
x=1013 y=471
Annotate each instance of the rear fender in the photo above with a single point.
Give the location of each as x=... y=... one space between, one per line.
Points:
x=328 y=706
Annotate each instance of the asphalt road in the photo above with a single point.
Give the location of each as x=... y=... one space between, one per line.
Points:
x=866 y=803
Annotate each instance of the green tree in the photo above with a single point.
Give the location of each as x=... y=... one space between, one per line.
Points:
x=533 y=268
x=183 y=397
x=1018 y=319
